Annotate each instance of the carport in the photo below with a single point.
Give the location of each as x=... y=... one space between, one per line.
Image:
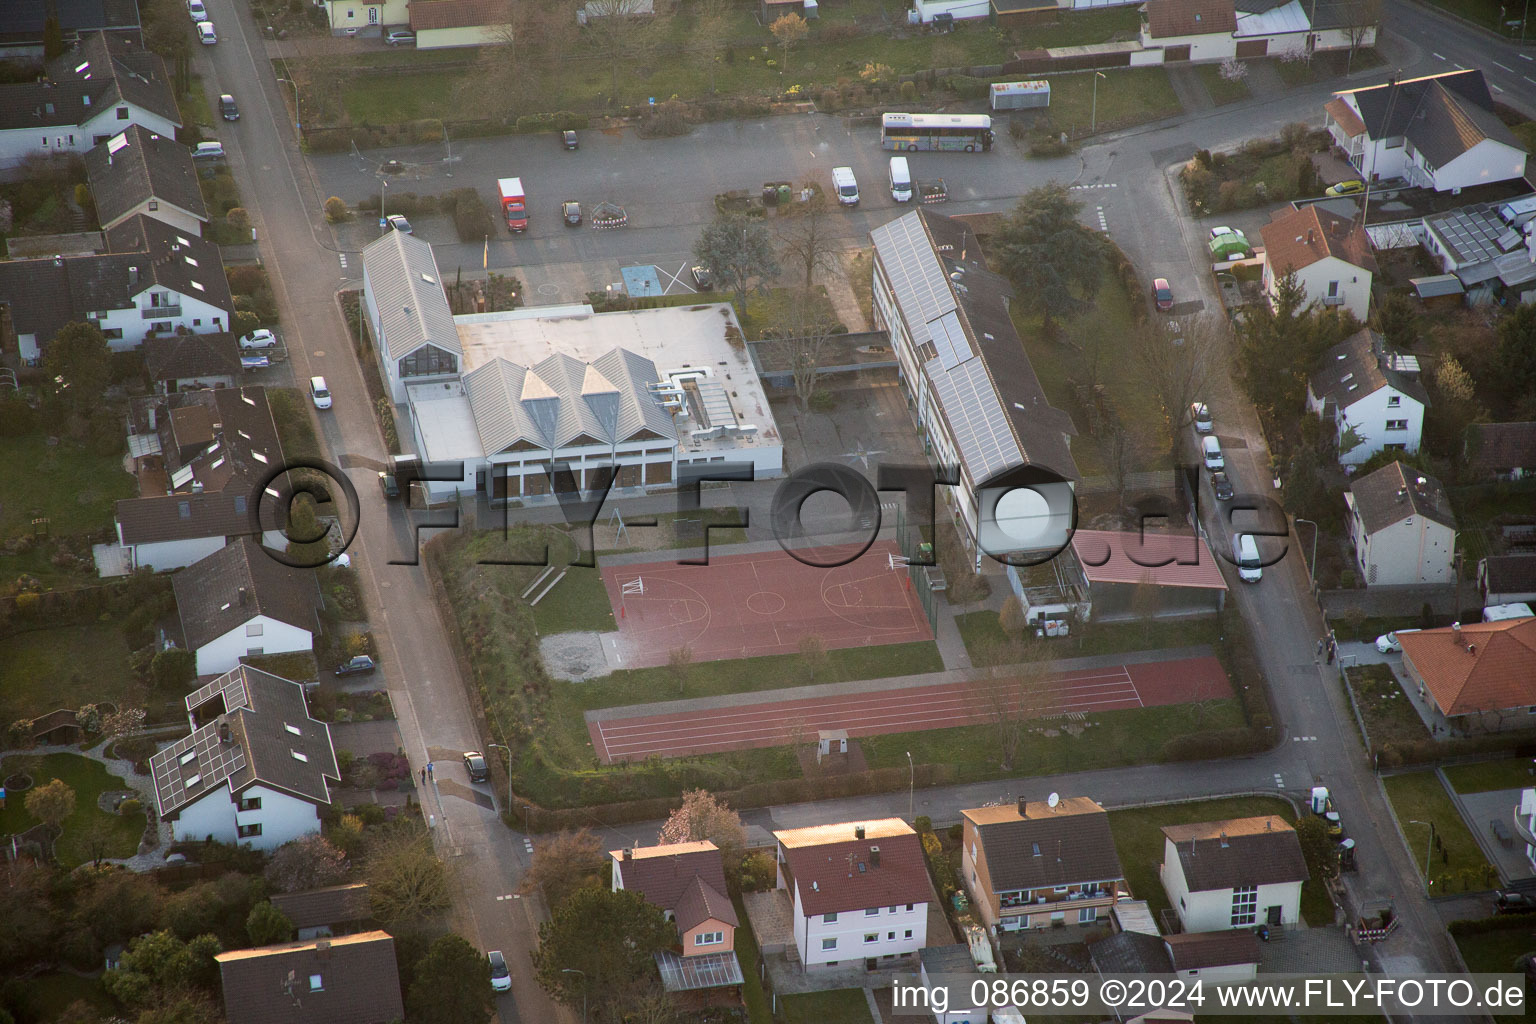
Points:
x=1131 y=575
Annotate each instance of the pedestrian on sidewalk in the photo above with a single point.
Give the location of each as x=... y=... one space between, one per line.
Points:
x=1320 y=644
x=429 y=770
x=423 y=776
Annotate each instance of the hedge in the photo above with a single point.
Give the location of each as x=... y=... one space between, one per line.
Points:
x=1505 y=922
x=1202 y=746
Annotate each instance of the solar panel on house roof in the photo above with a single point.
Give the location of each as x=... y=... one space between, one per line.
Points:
x=949 y=340
x=976 y=416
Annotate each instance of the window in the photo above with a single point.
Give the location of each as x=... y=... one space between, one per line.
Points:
x=122 y=113
x=251 y=803
x=317 y=983
x=828 y=944
x=254 y=629
x=1088 y=915
x=1393 y=401
x=708 y=938
x=1036 y=848
x=871 y=937
x=828 y=918
x=908 y=934
x=890 y=935
x=251 y=652
x=1395 y=447
x=890 y=910
x=197 y=323
x=872 y=911
x=247 y=831
x=909 y=907
x=1397 y=424
x=1245 y=905
x=427 y=360
x=1061 y=888
x=1333 y=289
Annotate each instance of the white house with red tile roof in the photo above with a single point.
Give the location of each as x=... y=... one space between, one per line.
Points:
x=1330 y=256
x=859 y=889
x=1478 y=676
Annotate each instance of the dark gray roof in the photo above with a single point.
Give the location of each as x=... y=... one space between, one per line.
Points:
x=955 y=959
x=111 y=70
x=1131 y=953
x=1359 y=366
x=272 y=741
x=217 y=439
x=25 y=19
x=1239 y=851
x=235 y=584
x=1075 y=847
x=359 y=982
x=170 y=357
x=180 y=261
x=1442 y=115
x=1500 y=447
x=167 y=517
x=332 y=905
x=139 y=165
x=1509 y=574
x=1395 y=492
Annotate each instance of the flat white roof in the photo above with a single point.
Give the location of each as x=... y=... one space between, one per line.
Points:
x=444 y=422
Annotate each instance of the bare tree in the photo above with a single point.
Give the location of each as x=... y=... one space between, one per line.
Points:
x=563 y=863
x=803 y=324
x=1013 y=691
x=620 y=32
x=789 y=30
x=710 y=35
x=407 y=883
x=1122 y=455
x=1360 y=20
x=813 y=655
x=1180 y=365
x=807 y=236
x=502 y=69
x=679 y=665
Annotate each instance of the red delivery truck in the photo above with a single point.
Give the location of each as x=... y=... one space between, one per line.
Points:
x=514 y=204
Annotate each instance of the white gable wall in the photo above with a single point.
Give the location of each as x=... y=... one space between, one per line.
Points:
x=849 y=930
x=17 y=144
x=1369 y=416
x=1350 y=285
x=1412 y=550
x=224 y=653
x=281 y=817
x=163 y=556
x=1211 y=910
x=1484 y=163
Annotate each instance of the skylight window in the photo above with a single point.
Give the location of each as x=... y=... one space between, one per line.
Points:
x=188 y=757
x=293 y=729
x=247 y=399
x=243 y=434
x=198 y=284
x=183 y=241
x=116 y=144
x=83 y=65
x=191 y=781
x=259 y=457
x=192 y=261
x=217 y=462
x=299 y=755
x=428 y=278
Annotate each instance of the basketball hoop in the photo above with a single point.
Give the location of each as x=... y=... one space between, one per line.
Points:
x=633 y=588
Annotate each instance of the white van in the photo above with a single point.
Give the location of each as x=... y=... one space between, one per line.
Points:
x=208 y=151
x=1247 y=551
x=320 y=392
x=901 y=180
x=846 y=186
x=1210 y=448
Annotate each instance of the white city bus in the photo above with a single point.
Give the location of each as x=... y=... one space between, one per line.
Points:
x=968 y=132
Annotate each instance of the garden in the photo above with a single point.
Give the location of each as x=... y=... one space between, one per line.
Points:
x=1434 y=831
x=1389 y=716
x=86 y=830
x=1261 y=172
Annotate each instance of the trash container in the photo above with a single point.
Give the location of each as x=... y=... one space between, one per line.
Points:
x=786 y=194
x=770 y=195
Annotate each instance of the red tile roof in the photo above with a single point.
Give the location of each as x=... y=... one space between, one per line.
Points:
x=1296 y=239
x=1167 y=18
x=442 y=14
x=840 y=876
x=1483 y=666
x=1345 y=115
x=1195 y=950
x=1124 y=556
x=664 y=875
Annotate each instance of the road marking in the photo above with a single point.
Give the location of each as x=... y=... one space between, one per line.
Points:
x=1436 y=56
x=1502 y=67
x=1104 y=184
x=1525 y=56
x=1528 y=78
x=343 y=257
x=1103 y=224
x=1494 y=87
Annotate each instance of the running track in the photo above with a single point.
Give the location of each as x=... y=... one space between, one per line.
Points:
x=914 y=709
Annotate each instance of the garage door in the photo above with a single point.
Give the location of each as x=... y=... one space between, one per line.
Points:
x=1175 y=53
x=1252 y=47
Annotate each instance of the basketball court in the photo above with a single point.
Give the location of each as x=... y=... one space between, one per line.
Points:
x=746 y=606
x=906 y=709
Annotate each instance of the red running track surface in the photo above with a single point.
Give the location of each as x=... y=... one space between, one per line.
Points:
x=941 y=706
x=745 y=606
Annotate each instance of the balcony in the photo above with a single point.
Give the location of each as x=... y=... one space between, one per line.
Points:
x=1333 y=300
x=160 y=313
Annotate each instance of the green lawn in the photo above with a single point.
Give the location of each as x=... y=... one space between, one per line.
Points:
x=70 y=485
x=295 y=428
x=1388 y=713
x=1125 y=97
x=196 y=107
x=1488 y=776
x=1139 y=843
x=1221 y=90
x=577 y=602
x=984 y=640
x=48 y=669
x=119 y=835
x=759 y=1011
x=1495 y=952
x=1333 y=64
x=843 y=1006
x=1419 y=796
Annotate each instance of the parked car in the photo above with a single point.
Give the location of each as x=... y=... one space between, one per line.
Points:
x=569 y=140
x=400 y=37
x=362 y=665
x=570 y=212
x=501 y=978
x=227 y=108
x=1201 y=414
x=1387 y=644
x=205 y=33
x=1222 y=229
x=1222 y=485
x=474 y=764
x=197 y=10
x=208 y=151
x=1510 y=902
x=389 y=485
x=397 y=222
x=703 y=277
x=1345 y=188
x=1210 y=449
x=1162 y=295
x=258 y=339
x=319 y=392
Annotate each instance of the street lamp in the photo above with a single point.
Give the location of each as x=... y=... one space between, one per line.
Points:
x=577 y=970
x=503 y=746
x=1428 y=849
x=1093 y=122
x=383 y=191
x=1312 y=565
x=298 y=130
x=911 y=784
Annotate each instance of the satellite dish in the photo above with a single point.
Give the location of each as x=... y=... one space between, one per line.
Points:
x=1052 y=800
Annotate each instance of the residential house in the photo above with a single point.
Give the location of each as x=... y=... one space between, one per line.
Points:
x=859 y=891
x=1525 y=824
x=1402 y=527
x=154 y=279
x=1477 y=676
x=192 y=362
x=240 y=601
x=1507 y=579
x=84 y=98
x=1501 y=451
x=1372 y=395
x=1485 y=249
x=1438 y=132
x=365 y=17
x=969 y=384
x=1214 y=956
x=1190 y=30
x=1038 y=865
x=332 y=910
x=141 y=171
x=1174 y=31
x=1233 y=874
x=21 y=36
x=686 y=881
x=350 y=979
x=440 y=24
x=256 y=768
x=1330 y=256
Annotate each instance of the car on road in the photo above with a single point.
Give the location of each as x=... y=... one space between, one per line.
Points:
x=205 y=33
x=501 y=977
x=569 y=141
x=400 y=37
x=1222 y=229
x=197 y=10
x=259 y=339
x=474 y=764
x=1511 y=902
x=1162 y=295
x=703 y=277
x=1387 y=644
x=362 y=665
x=319 y=392
x=570 y=212
x=208 y=151
x=227 y=108
x=1222 y=485
x=1200 y=413
x=397 y=222
x=1210 y=450
x=389 y=485
x=1345 y=188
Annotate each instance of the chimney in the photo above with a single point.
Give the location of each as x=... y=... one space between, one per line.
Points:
x=858 y=831
x=1268 y=824
x=197 y=487
x=133 y=275
x=323 y=949
x=1224 y=843
x=1023 y=807
x=1456 y=633
x=1311 y=236
x=224 y=732
x=1402 y=494
x=242 y=595
x=1472 y=649
x=629 y=854
x=874 y=856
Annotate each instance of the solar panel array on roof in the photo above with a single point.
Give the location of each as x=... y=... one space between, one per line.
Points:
x=916 y=276
x=687 y=973
x=213 y=764
x=949 y=340
x=979 y=422
x=1471 y=232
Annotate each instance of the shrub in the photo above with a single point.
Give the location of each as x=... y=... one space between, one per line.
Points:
x=128 y=808
x=968 y=88
x=923 y=823
x=831 y=100
x=957 y=831
x=908 y=90
x=1202 y=746
x=1048 y=145
x=471 y=218
x=336 y=210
